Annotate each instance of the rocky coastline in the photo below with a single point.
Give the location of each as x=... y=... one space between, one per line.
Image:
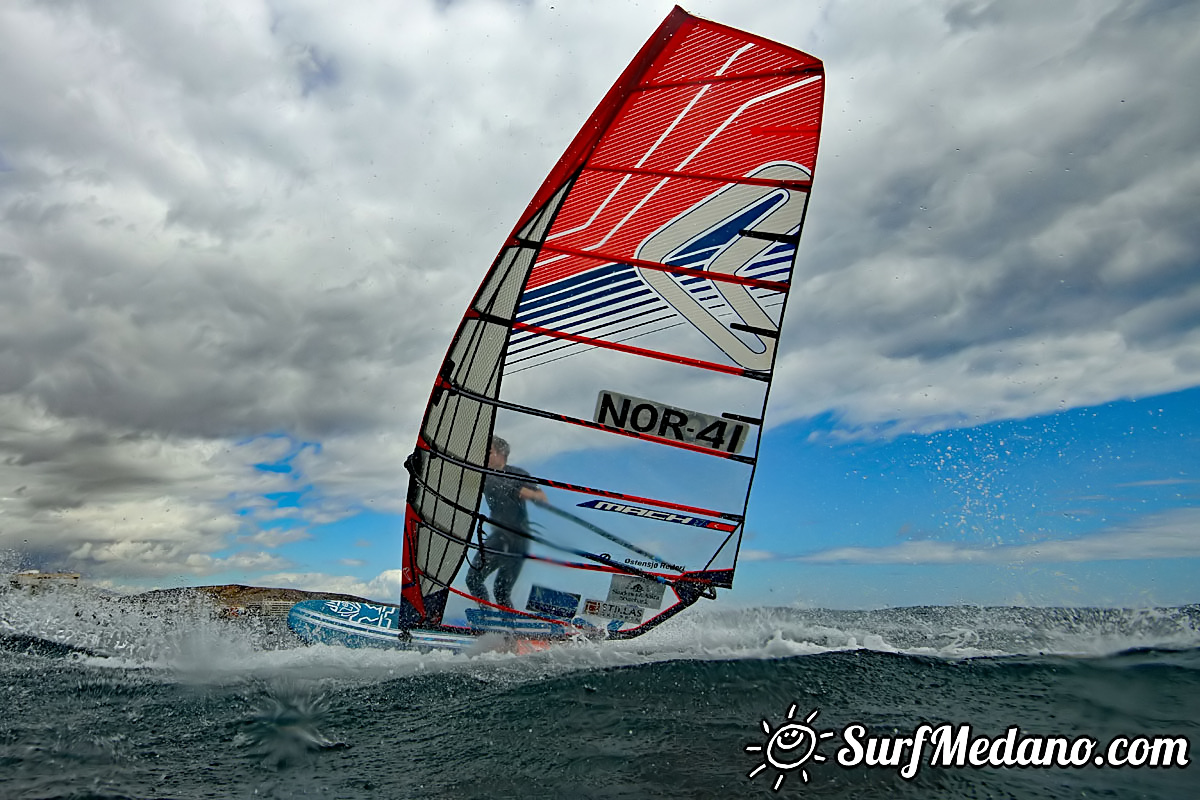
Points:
x=236 y=595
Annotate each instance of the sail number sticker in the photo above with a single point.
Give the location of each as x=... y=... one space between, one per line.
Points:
x=668 y=422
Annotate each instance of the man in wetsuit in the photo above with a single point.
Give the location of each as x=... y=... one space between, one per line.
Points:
x=504 y=548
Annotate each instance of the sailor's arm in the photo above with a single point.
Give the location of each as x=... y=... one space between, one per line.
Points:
x=535 y=494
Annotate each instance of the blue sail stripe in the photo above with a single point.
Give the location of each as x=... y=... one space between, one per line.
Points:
x=547 y=308
x=776 y=271
x=562 y=294
x=609 y=272
x=571 y=324
x=552 y=316
x=767 y=262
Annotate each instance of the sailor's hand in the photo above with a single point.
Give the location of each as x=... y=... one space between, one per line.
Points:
x=536 y=495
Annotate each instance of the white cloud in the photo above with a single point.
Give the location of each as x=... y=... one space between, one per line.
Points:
x=275 y=537
x=746 y=554
x=1166 y=536
x=315 y=582
x=385 y=587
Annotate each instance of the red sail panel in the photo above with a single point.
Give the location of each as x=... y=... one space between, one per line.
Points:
x=687 y=49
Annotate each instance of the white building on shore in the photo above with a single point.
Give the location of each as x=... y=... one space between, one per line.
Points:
x=33 y=579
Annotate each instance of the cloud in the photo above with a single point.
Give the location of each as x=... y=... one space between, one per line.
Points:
x=993 y=236
x=315 y=582
x=1162 y=482
x=274 y=537
x=746 y=554
x=1165 y=536
x=106 y=501
x=385 y=587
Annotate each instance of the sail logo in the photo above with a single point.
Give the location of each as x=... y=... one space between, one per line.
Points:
x=759 y=235
x=661 y=516
x=794 y=744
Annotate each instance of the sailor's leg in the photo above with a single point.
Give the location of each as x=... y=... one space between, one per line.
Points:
x=481 y=567
x=506 y=575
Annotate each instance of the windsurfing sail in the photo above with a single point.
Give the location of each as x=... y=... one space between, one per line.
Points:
x=624 y=343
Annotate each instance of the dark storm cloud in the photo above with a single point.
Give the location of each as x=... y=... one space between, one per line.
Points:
x=1010 y=178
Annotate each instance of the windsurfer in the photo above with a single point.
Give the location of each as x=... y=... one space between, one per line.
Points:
x=504 y=548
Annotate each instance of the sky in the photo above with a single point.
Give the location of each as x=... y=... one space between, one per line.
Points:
x=235 y=238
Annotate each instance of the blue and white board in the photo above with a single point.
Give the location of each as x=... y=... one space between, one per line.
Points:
x=352 y=624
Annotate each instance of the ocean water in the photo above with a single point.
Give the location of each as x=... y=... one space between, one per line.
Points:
x=102 y=699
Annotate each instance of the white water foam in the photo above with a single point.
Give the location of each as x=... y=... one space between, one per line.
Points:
x=184 y=639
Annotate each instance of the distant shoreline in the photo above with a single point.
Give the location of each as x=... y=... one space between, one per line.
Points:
x=235 y=595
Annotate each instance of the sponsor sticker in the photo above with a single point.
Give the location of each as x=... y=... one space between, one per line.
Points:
x=621 y=611
x=668 y=422
x=552 y=602
x=659 y=514
x=636 y=591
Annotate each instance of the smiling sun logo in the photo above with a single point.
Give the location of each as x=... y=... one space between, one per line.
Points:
x=789 y=747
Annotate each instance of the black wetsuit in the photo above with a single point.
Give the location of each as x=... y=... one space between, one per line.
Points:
x=507 y=510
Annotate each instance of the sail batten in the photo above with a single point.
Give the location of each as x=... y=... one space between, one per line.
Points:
x=589 y=490
x=640 y=351
x=602 y=563
x=802 y=185
x=586 y=423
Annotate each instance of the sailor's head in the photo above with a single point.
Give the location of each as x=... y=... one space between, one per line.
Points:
x=498 y=454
